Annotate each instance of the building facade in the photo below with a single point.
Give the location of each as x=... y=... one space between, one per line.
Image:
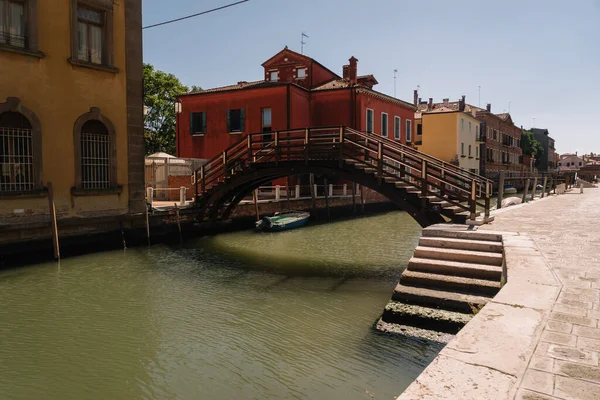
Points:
x=71 y=108
x=296 y=92
x=547 y=164
x=570 y=163
x=450 y=135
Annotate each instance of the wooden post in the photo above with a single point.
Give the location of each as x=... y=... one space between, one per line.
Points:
x=488 y=190
x=203 y=178
x=424 y=185
x=362 y=199
x=379 y=162
x=225 y=172
x=534 y=189
x=472 y=202
x=53 y=224
x=306 y=145
x=313 y=195
x=544 y=186
x=354 y=197
x=443 y=181
x=341 y=164
x=255 y=199
x=527 y=182
x=500 y=191
x=195 y=186
x=147 y=225
x=327 y=200
x=402 y=166
x=276 y=143
x=178 y=223
x=249 y=148
x=287 y=192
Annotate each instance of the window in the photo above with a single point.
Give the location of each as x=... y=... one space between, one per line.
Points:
x=477 y=131
x=560 y=164
x=462 y=149
x=197 y=123
x=274 y=76
x=470 y=151
x=462 y=124
x=469 y=126
x=12 y=23
x=92 y=34
x=235 y=120
x=369 y=125
x=301 y=73
x=397 y=128
x=477 y=152
x=580 y=163
x=384 y=125
x=90 y=26
x=408 y=130
x=95 y=156
x=16 y=153
x=420 y=130
x=266 y=119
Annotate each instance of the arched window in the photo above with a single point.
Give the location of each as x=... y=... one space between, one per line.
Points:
x=20 y=148
x=95 y=154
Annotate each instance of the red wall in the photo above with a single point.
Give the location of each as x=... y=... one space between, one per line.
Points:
x=393 y=110
x=216 y=105
x=331 y=107
x=320 y=75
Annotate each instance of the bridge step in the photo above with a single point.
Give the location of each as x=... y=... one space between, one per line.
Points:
x=461 y=244
x=447 y=300
x=455 y=268
x=460 y=232
x=479 y=257
x=451 y=283
x=424 y=317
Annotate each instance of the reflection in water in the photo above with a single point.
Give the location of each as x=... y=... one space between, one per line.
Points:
x=242 y=315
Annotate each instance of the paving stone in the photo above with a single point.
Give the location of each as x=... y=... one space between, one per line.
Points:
x=573 y=319
x=539 y=381
x=593 y=314
x=577 y=371
x=542 y=363
x=581 y=356
x=576 y=303
x=525 y=394
x=559 y=326
x=582 y=312
x=593 y=333
x=588 y=343
x=569 y=388
x=559 y=338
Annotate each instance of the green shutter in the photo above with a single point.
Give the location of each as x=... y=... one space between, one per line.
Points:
x=242 y=120
x=228 y=121
x=204 y=122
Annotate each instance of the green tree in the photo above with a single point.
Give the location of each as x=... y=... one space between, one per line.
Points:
x=160 y=93
x=530 y=145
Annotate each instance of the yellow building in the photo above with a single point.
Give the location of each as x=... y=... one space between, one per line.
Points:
x=450 y=135
x=70 y=109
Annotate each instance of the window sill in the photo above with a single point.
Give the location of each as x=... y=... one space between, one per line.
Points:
x=96 y=192
x=198 y=134
x=237 y=133
x=470 y=156
x=23 y=194
x=463 y=156
x=23 y=51
x=98 y=67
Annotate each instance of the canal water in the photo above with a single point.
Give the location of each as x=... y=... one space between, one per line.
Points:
x=242 y=315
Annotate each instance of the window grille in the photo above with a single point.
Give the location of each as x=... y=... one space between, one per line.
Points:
x=95 y=156
x=16 y=159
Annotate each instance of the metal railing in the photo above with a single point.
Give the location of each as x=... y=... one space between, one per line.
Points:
x=386 y=159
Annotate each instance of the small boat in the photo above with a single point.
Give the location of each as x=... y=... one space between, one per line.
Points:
x=283 y=220
x=510 y=189
x=539 y=187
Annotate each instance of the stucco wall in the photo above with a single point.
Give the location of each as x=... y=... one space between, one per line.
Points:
x=440 y=136
x=466 y=136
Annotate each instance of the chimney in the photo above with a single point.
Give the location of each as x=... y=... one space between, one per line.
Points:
x=446 y=101
x=242 y=83
x=461 y=104
x=415 y=97
x=488 y=107
x=345 y=73
x=352 y=70
x=419 y=100
x=430 y=104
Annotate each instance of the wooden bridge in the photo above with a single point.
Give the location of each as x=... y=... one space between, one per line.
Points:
x=430 y=190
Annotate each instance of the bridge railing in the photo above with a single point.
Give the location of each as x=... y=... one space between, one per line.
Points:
x=390 y=161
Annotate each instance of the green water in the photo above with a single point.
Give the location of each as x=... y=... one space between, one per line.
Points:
x=237 y=316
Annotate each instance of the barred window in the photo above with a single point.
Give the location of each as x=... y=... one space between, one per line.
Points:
x=16 y=153
x=95 y=155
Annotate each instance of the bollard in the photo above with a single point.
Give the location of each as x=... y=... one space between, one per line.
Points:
x=330 y=190
x=581 y=188
x=182 y=196
x=277 y=192
x=297 y=191
x=149 y=195
x=525 y=190
x=344 y=189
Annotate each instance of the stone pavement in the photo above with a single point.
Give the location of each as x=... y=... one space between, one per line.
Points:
x=566 y=229
x=539 y=338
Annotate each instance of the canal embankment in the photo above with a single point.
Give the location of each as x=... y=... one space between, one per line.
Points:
x=538 y=338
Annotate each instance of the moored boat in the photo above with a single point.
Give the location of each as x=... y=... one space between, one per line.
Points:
x=510 y=189
x=283 y=220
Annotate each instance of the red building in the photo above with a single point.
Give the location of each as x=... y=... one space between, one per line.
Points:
x=297 y=92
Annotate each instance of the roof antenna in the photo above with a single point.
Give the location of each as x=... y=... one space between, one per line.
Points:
x=302 y=43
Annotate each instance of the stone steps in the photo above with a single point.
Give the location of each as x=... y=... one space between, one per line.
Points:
x=459 y=284
x=447 y=300
x=479 y=257
x=454 y=268
x=460 y=244
x=451 y=232
x=424 y=317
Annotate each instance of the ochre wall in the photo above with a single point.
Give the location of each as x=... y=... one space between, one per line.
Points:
x=58 y=93
x=440 y=136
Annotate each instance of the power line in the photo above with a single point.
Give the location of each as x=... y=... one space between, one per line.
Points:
x=195 y=15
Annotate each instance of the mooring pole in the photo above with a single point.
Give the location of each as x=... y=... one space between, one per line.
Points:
x=53 y=224
x=311 y=181
x=178 y=223
x=544 y=188
x=354 y=197
x=327 y=200
x=255 y=199
x=287 y=192
x=527 y=182
x=362 y=199
x=534 y=189
x=500 y=191
x=147 y=225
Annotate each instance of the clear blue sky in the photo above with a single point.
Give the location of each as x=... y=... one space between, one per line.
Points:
x=541 y=56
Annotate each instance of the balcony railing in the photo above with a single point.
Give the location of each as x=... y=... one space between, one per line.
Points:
x=480 y=138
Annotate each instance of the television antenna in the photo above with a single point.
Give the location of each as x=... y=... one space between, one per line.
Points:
x=302 y=42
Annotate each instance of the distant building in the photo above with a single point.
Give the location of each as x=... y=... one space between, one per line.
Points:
x=547 y=164
x=570 y=163
x=450 y=135
x=296 y=92
x=71 y=112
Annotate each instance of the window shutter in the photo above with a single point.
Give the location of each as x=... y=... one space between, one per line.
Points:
x=204 y=122
x=191 y=123
x=228 y=121
x=242 y=120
